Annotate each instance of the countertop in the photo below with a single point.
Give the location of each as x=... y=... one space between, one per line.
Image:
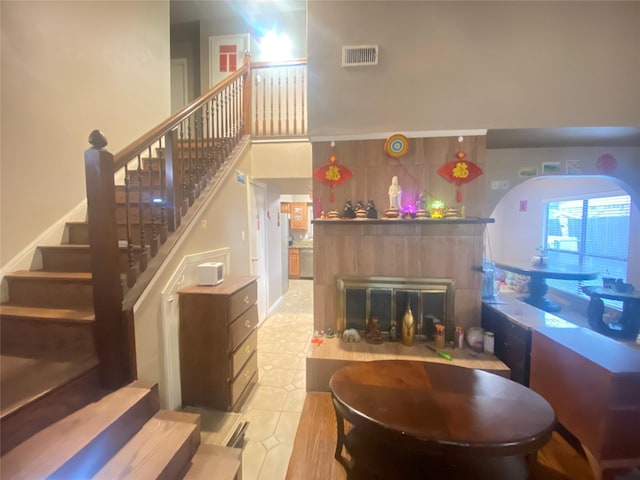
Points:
x=302 y=244
x=525 y=315
x=532 y=318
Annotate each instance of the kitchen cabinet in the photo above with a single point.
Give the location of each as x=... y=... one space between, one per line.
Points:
x=218 y=343
x=285 y=207
x=294 y=263
x=299 y=219
x=512 y=343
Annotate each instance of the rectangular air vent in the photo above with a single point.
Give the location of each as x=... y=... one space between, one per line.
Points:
x=358 y=55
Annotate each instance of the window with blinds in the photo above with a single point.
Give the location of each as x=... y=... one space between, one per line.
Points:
x=589 y=232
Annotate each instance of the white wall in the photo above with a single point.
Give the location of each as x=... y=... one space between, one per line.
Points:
x=505 y=165
x=473 y=64
x=516 y=234
x=525 y=229
x=67 y=68
x=275 y=252
x=290 y=159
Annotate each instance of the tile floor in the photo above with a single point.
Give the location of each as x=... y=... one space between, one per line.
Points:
x=273 y=408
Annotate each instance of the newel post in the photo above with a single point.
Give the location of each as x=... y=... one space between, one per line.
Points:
x=111 y=328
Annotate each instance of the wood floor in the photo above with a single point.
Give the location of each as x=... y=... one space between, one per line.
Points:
x=313 y=451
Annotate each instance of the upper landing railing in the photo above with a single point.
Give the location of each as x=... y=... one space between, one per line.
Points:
x=279 y=103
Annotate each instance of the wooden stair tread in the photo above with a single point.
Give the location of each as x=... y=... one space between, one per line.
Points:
x=79 y=444
x=54 y=276
x=161 y=449
x=48 y=314
x=65 y=246
x=24 y=380
x=215 y=462
x=79 y=247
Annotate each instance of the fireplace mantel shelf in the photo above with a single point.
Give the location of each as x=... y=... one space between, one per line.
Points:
x=402 y=221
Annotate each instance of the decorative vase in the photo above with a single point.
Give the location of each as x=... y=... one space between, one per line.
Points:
x=408 y=327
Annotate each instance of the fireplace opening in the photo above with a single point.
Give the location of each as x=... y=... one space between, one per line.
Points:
x=430 y=299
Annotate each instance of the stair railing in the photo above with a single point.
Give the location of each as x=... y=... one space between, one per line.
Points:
x=279 y=93
x=137 y=198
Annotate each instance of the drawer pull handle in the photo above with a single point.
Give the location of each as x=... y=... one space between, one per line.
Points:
x=247 y=349
x=246 y=299
x=246 y=374
x=247 y=323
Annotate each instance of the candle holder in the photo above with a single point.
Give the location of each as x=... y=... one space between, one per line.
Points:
x=437 y=209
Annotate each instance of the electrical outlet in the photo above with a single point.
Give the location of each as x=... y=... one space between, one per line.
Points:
x=495 y=185
x=203 y=224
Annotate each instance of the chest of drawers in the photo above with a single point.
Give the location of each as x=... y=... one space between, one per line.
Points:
x=218 y=343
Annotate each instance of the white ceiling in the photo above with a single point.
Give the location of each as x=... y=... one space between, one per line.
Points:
x=185 y=11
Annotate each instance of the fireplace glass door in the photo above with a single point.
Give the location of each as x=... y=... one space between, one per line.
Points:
x=360 y=298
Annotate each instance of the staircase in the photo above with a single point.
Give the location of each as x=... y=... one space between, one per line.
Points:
x=48 y=362
x=67 y=328
x=123 y=435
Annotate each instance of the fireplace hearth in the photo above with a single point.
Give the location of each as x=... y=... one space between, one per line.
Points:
x=431 y=301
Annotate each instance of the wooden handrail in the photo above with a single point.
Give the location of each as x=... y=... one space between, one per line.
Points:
x=139 y=145
x=286 y=63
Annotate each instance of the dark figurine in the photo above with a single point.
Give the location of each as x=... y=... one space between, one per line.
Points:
x=371 y=210
x=348 y=211
x=373 y=333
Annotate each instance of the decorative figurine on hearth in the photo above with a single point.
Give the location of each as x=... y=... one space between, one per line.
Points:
x=408 y=327
x=373 y=333
x=348 y=211
x=371 y=210
x=393 y=332
x=421 y=210
x=351 y=335
x=395 y=194
x=395 y=199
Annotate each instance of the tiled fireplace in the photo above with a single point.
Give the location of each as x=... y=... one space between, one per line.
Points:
x=447 y=251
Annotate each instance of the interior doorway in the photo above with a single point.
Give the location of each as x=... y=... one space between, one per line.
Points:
x=179 y=85
x=226 y=55
x=258 y=243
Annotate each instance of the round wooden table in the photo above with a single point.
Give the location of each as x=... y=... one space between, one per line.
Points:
x=537 y=280
x=413 y=419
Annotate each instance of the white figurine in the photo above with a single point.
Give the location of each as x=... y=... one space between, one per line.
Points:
x=395 y=194
x=351 y=335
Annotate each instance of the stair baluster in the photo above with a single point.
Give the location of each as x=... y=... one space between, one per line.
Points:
x=132 y=271
x=143 y=258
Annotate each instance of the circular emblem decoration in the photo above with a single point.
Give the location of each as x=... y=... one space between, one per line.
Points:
x=396 y=145
x=606 y=163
